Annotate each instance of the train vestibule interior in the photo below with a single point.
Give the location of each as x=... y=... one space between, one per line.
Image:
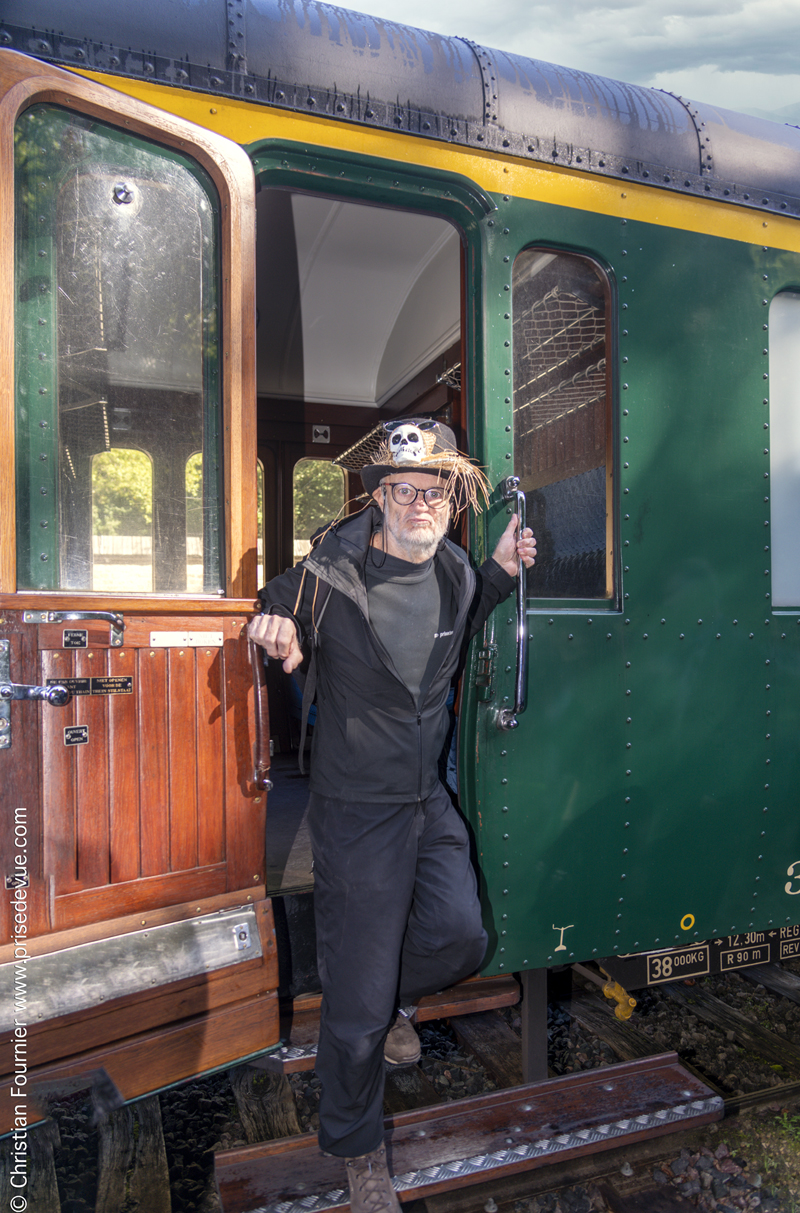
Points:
x=358 y=320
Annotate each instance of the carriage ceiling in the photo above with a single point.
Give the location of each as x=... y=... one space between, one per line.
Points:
x=353 y=301
x=318 y=58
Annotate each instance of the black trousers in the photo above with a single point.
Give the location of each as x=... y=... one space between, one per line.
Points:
x=397 y=917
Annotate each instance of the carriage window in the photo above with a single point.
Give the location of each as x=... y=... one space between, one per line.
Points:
x=117 y=352
x=194 y=523
x=122 y=522
x=784 y=424
x=562 y=430
x=318 y=494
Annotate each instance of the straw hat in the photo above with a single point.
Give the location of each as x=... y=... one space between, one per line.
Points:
x=413 y=444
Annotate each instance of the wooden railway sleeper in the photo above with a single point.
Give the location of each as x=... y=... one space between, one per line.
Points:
x=483 y=1138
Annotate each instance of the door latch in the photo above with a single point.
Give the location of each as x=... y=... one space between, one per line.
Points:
x=484 y=672
x=57 y=696
x=241 y=936
x=116 y=621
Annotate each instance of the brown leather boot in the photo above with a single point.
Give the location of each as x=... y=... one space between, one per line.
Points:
x=371 y=1188
x=402 y=1047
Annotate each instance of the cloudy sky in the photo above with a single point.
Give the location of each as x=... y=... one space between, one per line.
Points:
x=740 y=54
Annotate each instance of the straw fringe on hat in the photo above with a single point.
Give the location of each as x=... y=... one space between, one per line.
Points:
x=417 y=445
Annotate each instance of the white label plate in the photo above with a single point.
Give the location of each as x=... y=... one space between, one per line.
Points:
x=185 y=640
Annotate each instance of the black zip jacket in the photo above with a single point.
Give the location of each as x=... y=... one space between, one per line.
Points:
x=372 y=741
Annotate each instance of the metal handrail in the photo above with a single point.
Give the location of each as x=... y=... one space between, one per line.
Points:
x=507 y=717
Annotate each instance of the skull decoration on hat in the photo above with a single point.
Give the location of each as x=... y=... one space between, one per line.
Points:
x=411 y=444
x=406 y=445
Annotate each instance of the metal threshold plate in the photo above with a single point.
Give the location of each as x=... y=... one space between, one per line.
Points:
x=452 y=1145
x=74 y=979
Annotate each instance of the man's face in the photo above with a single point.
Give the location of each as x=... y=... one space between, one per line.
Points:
x=412 y=532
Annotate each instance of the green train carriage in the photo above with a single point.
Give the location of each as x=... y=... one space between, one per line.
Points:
x=236 y=248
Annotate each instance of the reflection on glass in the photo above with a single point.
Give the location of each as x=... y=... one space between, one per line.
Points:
x=194 y=523
x=562 y=420
x=116 y=322
x=122 y=522
x=318 y=495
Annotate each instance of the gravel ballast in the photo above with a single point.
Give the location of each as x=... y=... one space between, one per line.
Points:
x=747 y=1162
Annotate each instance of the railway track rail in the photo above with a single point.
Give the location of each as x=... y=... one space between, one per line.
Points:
x=600 y=1128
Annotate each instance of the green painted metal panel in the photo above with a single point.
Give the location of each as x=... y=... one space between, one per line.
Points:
x=37 y=158
x=640 y=804
x=548 y=822
x=627 y=811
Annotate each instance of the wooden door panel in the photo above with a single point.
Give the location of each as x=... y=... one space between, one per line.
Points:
x=245 y=805
x=186 y=737
x=154 y=759
x=92 y=807
x=135 y=790
x=158 y=805
x=124 y=759
x=19 y=787
x=137 y=896
x=58 y=774
x=210 y=755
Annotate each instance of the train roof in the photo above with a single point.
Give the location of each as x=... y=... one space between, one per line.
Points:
x=311 y=57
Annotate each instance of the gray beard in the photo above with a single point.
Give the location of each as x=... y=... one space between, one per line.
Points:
x=422 y=545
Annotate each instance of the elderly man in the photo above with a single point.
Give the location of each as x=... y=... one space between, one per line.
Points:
x=387 y=605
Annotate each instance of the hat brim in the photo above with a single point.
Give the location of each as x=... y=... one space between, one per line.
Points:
x=373 y=473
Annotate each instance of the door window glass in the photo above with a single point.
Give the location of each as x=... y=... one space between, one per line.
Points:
x=117 y=349
x=194 y=523
x=122 y=522
x=562 y=431
x=318 y=495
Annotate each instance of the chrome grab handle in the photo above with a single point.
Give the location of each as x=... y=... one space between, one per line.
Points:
x=507 y=717
x=117 y=621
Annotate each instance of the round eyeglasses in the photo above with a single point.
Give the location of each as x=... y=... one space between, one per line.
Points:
x=406 y=494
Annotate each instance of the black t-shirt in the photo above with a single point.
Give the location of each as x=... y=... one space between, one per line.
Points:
x=412 y=611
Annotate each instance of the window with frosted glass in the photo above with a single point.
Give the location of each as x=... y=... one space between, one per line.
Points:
x=784 y=446
x=562 y=425
x=117 y=331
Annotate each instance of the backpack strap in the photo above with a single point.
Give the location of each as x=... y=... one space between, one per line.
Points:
x=322 y=594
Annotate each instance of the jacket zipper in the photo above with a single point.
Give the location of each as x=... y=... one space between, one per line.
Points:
x=383 y=656
x=466 y=594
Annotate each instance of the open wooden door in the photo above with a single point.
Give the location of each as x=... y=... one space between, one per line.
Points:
x=128 y=561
